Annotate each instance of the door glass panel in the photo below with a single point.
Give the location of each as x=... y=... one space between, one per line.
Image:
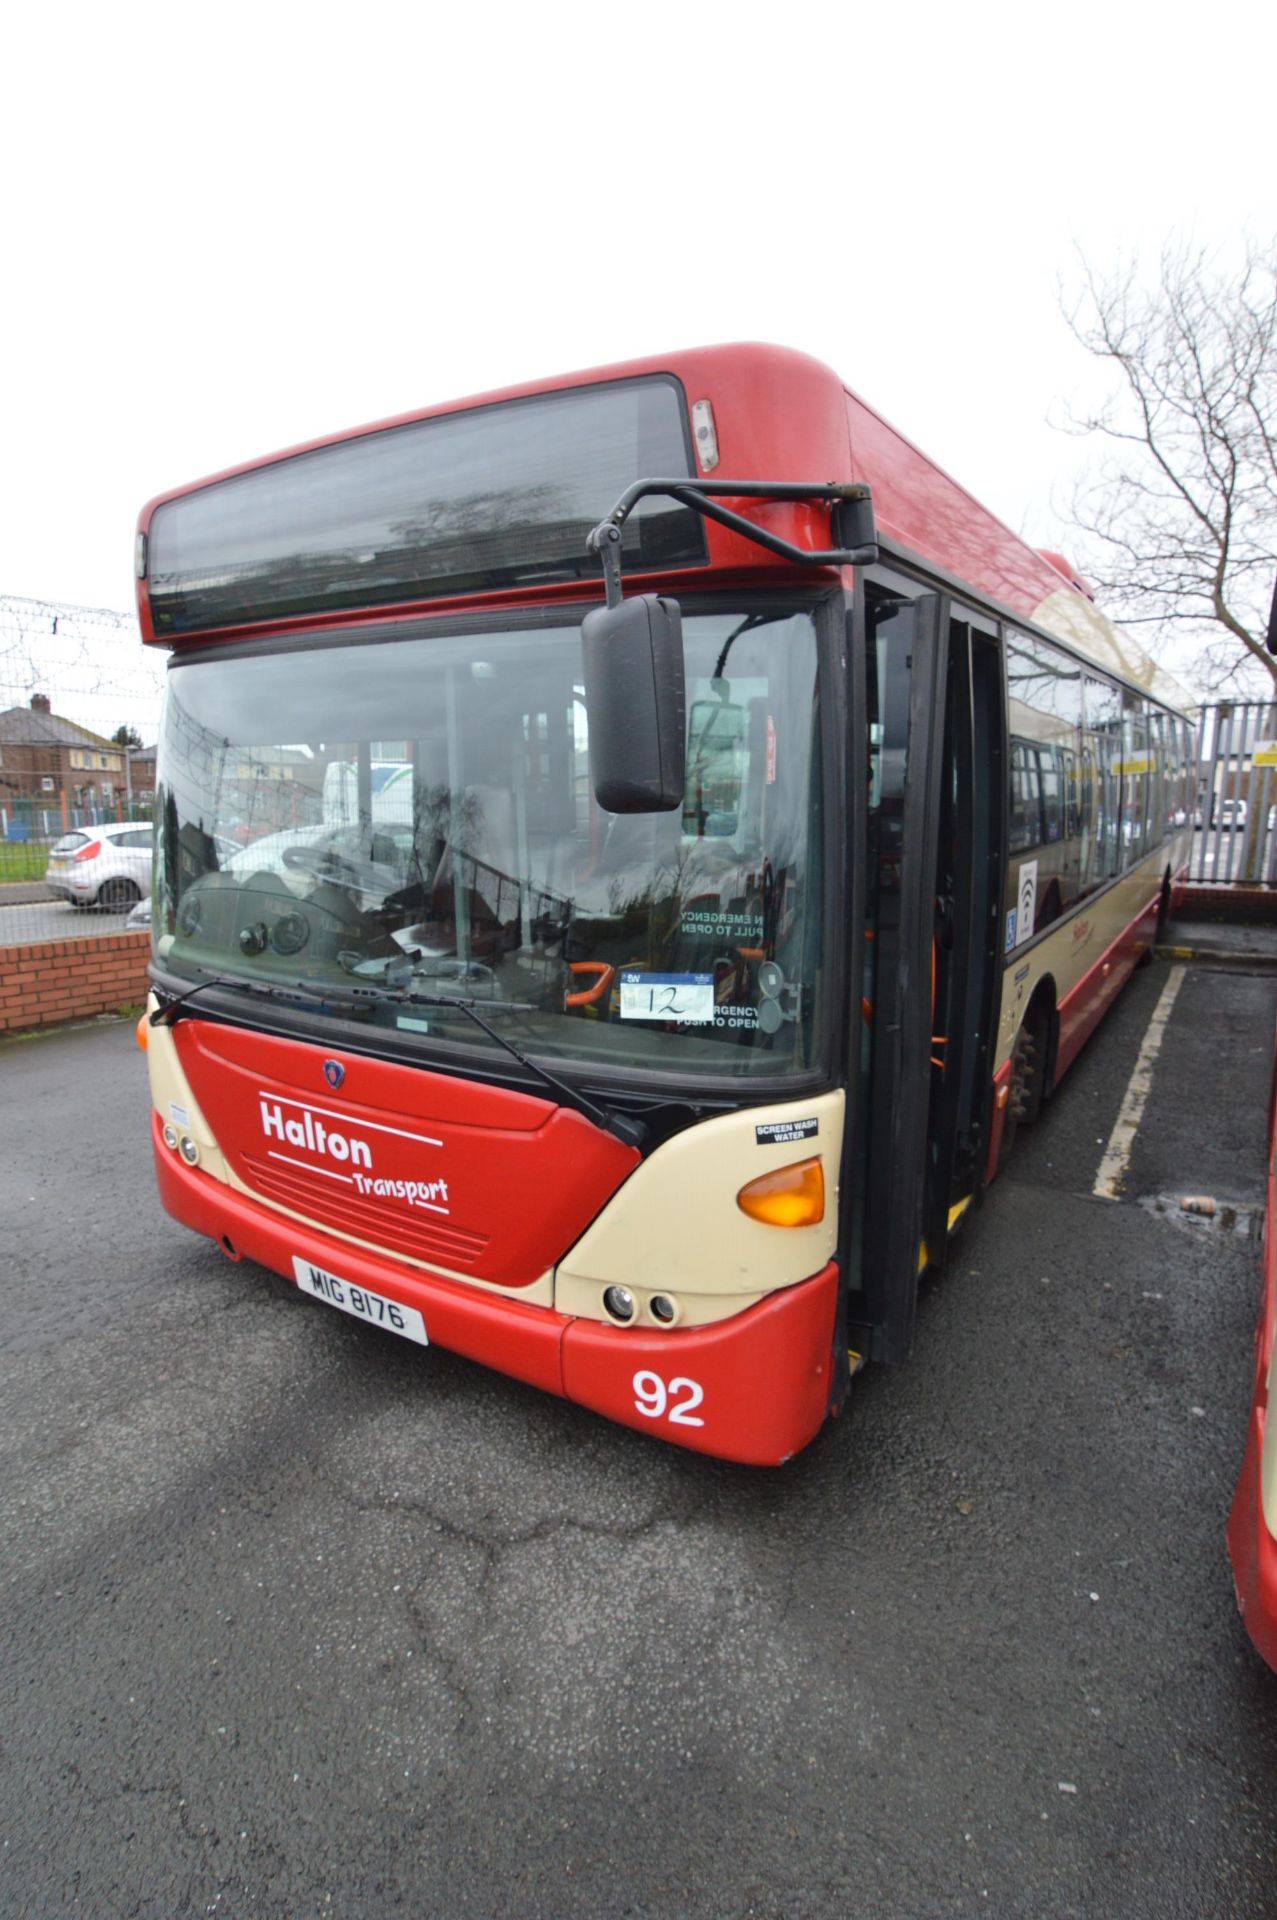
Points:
x=1104 y=740
x=1045 y=819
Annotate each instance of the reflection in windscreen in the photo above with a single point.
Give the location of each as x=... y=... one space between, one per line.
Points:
x=403 y=822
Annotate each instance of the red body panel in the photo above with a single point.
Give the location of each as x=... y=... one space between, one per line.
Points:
x=518 y=1339
x=764 y=1375
x=1251 y=1547
x=1081 y=1011
x=473 y=1178
x=998 y=1111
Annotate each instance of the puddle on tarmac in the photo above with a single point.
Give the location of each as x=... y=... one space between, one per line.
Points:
x=1241 y=1217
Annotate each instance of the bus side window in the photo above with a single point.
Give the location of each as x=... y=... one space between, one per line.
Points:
x=1068 y=775
x=1136 y=782
x=1025 y=823
x=1052 y=812
x=1104 y=726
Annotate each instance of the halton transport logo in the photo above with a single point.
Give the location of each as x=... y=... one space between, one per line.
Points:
x=295 y=1123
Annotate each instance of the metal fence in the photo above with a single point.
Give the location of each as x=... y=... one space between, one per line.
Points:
x=1235 y=822
x=79 y=712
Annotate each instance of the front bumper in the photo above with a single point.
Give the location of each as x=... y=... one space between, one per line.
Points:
x=754 y=1388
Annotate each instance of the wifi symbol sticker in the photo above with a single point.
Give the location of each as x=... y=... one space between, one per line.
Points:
x=1026 y=901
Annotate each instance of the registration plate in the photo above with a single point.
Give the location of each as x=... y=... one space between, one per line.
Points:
x=362 y=1302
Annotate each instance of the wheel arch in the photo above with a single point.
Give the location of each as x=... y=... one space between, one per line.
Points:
x=1043 y=1005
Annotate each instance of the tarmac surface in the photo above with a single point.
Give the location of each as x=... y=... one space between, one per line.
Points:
x=28 y=914
x=301 y=1620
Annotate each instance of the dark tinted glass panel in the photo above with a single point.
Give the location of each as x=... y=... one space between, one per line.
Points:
x=1104 y=733
x=1047 y=821
x=415 y=817
x=1137 y=763
x=497 y=497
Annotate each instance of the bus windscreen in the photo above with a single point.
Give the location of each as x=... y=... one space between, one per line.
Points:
x=468 y=502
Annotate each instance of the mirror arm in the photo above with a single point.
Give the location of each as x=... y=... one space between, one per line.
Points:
x=605 y=539
x=606 y=542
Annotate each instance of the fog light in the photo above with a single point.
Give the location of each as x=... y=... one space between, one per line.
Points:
x=619 y=1302
x=663 y=1309
x=170 y=1135
x=190 y=1152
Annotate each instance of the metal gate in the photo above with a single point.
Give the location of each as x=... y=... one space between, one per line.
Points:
x=1235 y=823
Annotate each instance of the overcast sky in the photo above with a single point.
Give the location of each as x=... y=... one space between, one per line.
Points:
x=228 y=229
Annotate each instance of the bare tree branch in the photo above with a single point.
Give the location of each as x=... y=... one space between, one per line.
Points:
x=1178 y=523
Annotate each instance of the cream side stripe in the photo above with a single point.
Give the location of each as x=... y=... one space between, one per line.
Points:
x=1116 y=1163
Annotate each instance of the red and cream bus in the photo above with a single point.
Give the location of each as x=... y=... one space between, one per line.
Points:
x=630 y=850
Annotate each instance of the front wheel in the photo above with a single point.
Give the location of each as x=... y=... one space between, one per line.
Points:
x=1028 y=1079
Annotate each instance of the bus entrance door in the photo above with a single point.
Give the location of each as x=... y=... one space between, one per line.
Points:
x=934 y=831
x=965 y=971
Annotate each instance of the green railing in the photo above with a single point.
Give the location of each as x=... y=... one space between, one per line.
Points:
x=28 y=829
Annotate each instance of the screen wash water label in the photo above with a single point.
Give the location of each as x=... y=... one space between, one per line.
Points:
x=779 y=1133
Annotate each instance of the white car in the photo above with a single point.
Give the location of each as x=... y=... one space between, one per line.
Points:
x=106 y=866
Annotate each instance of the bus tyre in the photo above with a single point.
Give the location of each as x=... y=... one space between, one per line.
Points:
x=1163 y=919
x=1028 y=1064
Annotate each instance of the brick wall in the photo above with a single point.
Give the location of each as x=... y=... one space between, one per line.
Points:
x=52 y=980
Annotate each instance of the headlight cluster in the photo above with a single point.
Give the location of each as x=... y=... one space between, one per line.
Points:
x=181 y=1143
x=624 y=1307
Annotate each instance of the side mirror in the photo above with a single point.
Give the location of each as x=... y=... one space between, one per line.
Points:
x=1272 y=622
x=635 y=700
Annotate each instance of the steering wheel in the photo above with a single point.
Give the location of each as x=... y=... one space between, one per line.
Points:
x=320 y=863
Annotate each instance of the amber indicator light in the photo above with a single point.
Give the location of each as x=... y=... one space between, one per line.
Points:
x=789 y=1197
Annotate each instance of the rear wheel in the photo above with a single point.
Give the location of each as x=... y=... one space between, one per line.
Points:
x=1163 y=916
x=118 y=894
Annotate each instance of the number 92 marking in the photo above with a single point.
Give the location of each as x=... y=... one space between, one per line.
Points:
x=676 y=1402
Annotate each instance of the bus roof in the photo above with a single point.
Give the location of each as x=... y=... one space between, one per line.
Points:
x=778 y=415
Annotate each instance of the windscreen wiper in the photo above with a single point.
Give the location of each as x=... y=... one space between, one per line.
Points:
x=170 y=1008
x=632 y=1132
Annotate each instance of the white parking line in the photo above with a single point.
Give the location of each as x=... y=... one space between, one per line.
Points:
x=1116 y=1163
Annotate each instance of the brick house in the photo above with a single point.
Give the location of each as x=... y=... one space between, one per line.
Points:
x=56 y=764
x=142 y=775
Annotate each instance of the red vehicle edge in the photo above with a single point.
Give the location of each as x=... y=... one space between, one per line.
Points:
x=1252 y=1547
